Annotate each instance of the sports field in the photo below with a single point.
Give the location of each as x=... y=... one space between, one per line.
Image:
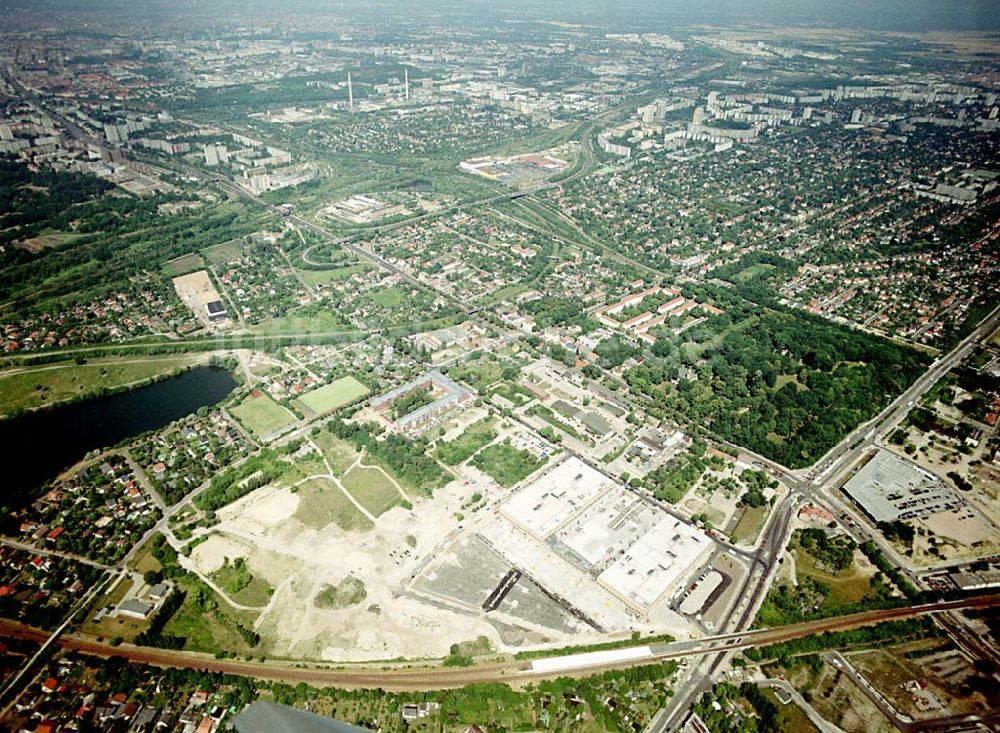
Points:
x=261 y=415
x=336 y=394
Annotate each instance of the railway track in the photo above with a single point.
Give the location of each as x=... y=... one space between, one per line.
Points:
x=404 y=677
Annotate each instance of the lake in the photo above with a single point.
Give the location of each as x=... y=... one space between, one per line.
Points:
x=40 y=445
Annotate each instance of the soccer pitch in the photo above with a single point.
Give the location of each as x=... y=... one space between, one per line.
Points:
x=336 y=394
x=262 y=416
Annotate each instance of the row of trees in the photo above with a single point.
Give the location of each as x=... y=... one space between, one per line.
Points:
x=890 y=631
x=154 y=636
x=238 y=481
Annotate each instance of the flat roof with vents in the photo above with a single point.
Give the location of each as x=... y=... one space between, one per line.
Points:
x=555 y=497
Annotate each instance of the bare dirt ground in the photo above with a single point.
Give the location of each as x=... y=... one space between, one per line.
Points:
x=954 y=536
x=838 y=699
x=196 y=291
x=893 y=675
x=299 y=561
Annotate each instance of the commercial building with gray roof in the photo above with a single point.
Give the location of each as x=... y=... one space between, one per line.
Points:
x=889 y=488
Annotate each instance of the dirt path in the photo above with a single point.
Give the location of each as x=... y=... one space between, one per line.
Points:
x=336 y=481
x=381 y=470
x=222 y=593
x=279 y=592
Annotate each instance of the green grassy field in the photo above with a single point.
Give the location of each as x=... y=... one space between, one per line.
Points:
x=49 y=238
x=331 y=396
x=746 y=530
x=241 y=585
x=539 y=140
x=224 y=252
x=261 y=415
x=311 y=465
x=208 y=631
x=387 y=297
x=322 y=321
x=372 y=489
x=847 y=586
x=348 y=592
x=183 y=265
x=784 y=379
x=753 y=271
x=473 y=438
x=506 y=464
x=144 y=561
x=321 y=503
x=339 y=454
x=61 y=381
x=312 y=278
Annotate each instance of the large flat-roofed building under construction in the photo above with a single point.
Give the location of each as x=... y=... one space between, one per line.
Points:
x=656 y=562
x=889 y=488
x=555 y=497
x=594 y=533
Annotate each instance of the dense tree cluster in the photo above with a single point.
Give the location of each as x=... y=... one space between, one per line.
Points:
x=784 y=384
x=835 y=552
x=672 y=480
x=551 y=310
x=897 y=531
x=615 y=351
x=756 y=482
x=411 y=402
x=407 y=459
x=714 y=709
x=31 y=201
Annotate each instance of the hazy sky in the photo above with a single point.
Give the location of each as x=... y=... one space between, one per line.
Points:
x=881 y=14
x=910 y=15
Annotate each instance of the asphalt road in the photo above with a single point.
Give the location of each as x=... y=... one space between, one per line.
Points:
x=810 y=485
x=863 y=437
x=817 y=489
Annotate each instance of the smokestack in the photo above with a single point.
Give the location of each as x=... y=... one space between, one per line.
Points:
x=350 y=92
x=406 y=82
